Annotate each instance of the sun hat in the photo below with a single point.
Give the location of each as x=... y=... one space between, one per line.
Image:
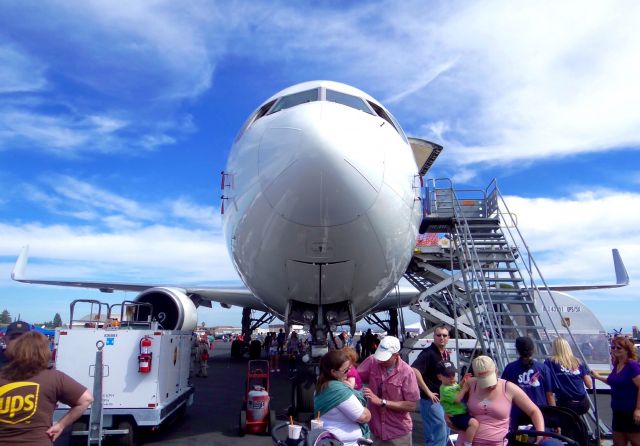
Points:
x=388 y=346
x=484 y=369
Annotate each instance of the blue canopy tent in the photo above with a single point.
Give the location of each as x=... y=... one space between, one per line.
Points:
x=45 y=331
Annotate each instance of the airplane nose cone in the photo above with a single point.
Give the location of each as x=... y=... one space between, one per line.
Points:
x=324 y=173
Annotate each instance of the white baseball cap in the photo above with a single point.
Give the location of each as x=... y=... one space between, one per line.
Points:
x=388 y=346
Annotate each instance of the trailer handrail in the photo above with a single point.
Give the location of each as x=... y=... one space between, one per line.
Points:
x=96 y=319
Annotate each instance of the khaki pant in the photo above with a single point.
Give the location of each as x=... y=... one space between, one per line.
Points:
x=405 y=440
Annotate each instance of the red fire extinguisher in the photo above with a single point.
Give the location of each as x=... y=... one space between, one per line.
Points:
x=144 y=358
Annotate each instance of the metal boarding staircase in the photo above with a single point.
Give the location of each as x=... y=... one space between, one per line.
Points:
x=481 y=278
x=489 y=292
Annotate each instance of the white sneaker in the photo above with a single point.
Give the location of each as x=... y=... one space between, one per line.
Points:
x=277 y=370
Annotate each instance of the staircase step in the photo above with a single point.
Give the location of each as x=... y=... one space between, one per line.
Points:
x=489 y=242
x=502 y=279
x=499 y=270
x=482 y=234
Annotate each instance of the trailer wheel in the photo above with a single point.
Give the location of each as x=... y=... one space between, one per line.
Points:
x=78 y=440
x=130 y=439
x=242 y=427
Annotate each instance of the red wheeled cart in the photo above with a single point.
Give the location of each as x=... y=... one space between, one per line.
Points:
x=255 y=416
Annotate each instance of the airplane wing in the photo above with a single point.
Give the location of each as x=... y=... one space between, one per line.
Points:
x=226 y=296
x=622 y=278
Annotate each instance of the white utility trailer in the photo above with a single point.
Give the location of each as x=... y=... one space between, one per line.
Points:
x=145 y=369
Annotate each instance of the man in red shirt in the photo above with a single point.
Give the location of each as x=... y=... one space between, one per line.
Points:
x=392 y=393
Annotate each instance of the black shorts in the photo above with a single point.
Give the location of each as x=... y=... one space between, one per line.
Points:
x=460 y=421
x=623 y=422
x=580 y=406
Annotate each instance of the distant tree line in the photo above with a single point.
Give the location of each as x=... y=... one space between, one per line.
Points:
x=5 y=319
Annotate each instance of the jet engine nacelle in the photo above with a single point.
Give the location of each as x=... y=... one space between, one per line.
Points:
x=172 y=308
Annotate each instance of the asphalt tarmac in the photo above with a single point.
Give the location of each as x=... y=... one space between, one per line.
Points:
x=213 y=419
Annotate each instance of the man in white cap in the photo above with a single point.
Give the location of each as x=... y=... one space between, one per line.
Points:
x=392 y=393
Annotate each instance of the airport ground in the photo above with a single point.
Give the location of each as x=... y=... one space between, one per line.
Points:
x=213 y=418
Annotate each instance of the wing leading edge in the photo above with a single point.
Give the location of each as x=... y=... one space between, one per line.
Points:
x=227 y=296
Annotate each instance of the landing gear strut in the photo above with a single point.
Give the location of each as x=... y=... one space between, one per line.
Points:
x=249 y=324
x=389 y=325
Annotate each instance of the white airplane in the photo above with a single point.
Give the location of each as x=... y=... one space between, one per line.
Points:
x=321 y=199
x=321 y=204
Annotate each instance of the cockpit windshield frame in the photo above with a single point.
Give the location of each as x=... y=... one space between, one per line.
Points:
x=323 y=94
x=291 y=100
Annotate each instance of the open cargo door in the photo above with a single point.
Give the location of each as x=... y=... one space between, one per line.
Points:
x=425 y=153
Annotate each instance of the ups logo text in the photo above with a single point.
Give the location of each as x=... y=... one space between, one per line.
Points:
x=18 y=401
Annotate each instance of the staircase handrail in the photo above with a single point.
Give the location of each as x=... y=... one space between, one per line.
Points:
x=472 y=256
x=530 y=258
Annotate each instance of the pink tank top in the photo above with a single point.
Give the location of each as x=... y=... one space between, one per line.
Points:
x=493 y=416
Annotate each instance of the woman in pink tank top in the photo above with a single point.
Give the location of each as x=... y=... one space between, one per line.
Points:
x=490 y=401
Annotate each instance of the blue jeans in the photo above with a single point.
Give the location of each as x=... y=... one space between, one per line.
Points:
x=436 y=431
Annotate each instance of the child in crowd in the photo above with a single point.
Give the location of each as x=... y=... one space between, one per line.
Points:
x=352 y=378
x=451 y=400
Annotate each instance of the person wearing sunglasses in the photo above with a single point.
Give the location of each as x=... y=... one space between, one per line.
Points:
x=624 y=381
x=341 y=409
x=436 y=432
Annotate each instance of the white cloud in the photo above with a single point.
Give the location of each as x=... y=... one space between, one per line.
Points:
x=496 y=82
x=106 y=124
x=19 y=72
x=153 y=254
x=185 y=209
x=507 y=81
x=572 y=238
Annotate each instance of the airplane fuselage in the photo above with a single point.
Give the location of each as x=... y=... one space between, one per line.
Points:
x=321 y=200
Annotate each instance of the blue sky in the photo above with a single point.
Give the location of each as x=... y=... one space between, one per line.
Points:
x=116 y=120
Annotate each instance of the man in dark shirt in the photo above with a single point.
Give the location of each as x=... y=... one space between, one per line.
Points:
x=14 y=330
x=280 y=339
x=435 y=428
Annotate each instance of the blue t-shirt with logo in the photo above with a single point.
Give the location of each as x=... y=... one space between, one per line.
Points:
x=567 y=384
x=534 y=380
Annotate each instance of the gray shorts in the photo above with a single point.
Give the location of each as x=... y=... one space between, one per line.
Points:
x=405 y=440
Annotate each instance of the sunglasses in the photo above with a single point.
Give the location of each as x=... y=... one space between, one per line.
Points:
x=616 y=347
x=442 y=335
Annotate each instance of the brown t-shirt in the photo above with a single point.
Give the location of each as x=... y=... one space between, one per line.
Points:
x=26 y=407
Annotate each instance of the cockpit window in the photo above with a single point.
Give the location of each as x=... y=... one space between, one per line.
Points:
x=295 y=99
x=255 y=116
x=389 y=118
x=348 y=100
